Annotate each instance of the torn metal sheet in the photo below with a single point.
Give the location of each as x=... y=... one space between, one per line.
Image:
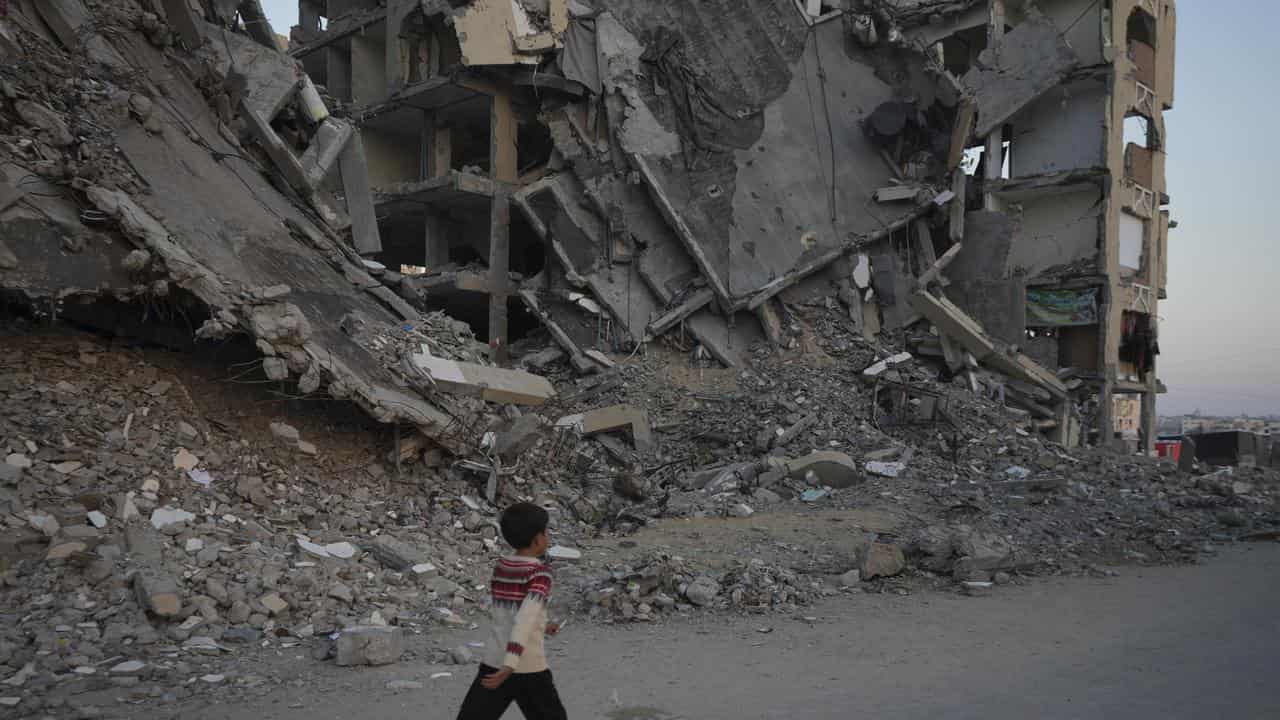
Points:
x=1026 y=62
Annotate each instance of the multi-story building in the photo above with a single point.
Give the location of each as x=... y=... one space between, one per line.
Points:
x=1082 y=186
x=1064 y=239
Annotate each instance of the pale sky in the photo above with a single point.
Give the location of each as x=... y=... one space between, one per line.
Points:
x=1220 y=329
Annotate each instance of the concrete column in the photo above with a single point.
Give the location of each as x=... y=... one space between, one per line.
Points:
x=995 y=141
x=437 y=147
x=505 y=171
x=338 y=72
x=499 y=269
x=1150 y=421
x=437 y=159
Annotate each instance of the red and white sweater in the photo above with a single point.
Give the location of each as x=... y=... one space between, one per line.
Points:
x=521 y=588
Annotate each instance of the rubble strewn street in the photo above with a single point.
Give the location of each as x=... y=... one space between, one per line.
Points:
x=265 y=385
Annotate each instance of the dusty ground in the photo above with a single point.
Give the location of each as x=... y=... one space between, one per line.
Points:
x=1185 y=642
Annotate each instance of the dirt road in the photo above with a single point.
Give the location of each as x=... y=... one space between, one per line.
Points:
x=1168 y=643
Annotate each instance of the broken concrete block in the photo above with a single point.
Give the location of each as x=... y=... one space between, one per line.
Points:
x=395 y=554
x=366 y=645
x=45 y=523
x=896 y=193
x=183 y=20
x=327 y=146
x=878 y=368
x=62 y=551
x=564 y=554
x=523 y=435
x=157 y=593
x=285 y=433
x=881 y=560
x=162 y=518
x=275 y=368
x=1024 y=64
x=355 y=186
x=610 y=419
x=886 y=469
x=493 y=384
x=833 y=469
x=274 y=604
x=42 y=118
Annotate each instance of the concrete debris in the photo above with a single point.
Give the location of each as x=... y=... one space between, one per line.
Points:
x=685 y=224
x=369 y=646
x=832 y=469
x=881 y=560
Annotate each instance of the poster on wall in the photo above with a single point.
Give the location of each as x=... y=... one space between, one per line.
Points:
x=1061 y=308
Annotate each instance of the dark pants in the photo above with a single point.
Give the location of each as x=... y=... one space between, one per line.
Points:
x=534 y=693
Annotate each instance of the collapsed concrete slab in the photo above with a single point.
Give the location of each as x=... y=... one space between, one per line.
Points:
x=1027 y=62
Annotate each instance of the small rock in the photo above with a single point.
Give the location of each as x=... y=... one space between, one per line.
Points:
x=307 y=448
x=851 y=578
x=741 y=510
x=194 y=545
x=66 y=468
x=97 y=519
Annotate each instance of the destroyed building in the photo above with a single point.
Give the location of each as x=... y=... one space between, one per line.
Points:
x=617 y=170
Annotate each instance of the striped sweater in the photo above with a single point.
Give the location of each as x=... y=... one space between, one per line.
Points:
x=521 y=588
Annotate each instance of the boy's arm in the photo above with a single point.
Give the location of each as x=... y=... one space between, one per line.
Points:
x=532 y=609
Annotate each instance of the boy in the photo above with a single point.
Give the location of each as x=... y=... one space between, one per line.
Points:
x=515 y=664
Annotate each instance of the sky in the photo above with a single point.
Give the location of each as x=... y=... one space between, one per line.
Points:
x=1220 y=327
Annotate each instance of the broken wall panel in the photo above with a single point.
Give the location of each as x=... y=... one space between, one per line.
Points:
x=1058 y=228
x=228 y=230
x=803 y=189
x=1028 y=61
x=555 y=208
x=1063 y=130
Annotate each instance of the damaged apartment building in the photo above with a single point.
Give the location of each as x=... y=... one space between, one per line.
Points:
x=980 y=182
x=621 y=170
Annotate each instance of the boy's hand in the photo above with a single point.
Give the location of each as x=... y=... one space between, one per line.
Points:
x=553 y=628
x=494 y=681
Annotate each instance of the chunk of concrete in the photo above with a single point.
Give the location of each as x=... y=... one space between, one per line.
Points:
x=834 y=469
x=359 y=194
x=1024 y=64
x=395 y=554
x=366 y=645
x=609 y=419
x=327 y=146
x=492 y=384
x=881 y=560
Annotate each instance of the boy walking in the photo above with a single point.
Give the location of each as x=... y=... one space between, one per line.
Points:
x=515 y=662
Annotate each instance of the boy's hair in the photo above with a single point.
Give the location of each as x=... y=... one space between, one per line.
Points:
x=521 y=523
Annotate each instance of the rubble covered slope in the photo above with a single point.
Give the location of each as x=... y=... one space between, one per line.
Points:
x=314 y=459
